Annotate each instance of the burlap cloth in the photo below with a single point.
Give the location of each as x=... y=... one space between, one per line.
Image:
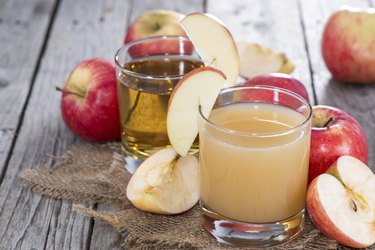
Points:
x=96 y=173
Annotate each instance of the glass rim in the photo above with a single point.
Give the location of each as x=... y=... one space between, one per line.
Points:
x=145 y=39
x=260 y=134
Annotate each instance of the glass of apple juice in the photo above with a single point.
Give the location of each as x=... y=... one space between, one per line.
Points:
x=147 y=71
x=254 y=157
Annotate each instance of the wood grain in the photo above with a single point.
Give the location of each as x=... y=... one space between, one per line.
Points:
x=30 y=67
x=81 y=29
x=21 y=42
x=267 y=23
x=103 y=234
x=357 y=100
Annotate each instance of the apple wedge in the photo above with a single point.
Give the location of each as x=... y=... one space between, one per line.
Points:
x=341 y=202
x=256 y=60
x=165 y=183
x=198 y=88
x=214 y=43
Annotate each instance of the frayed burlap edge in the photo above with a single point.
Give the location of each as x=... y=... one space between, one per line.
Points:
x=90 y=173
x=96 y=173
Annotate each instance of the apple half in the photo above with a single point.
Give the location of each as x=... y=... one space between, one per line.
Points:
x=198 y=88
x=165 y=183
x=214 y=43
x=341 y=202
x=256 y=60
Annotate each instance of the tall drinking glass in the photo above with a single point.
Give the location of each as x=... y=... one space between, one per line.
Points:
x=254 y=157
x=147 y=71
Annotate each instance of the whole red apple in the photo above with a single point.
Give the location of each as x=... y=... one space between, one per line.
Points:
x=89 y=104
x=280 y=80
x=334 y=133
x=348 y=45
x=157 y=23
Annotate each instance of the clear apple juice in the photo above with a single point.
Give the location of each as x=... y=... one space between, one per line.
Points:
x=143 y=101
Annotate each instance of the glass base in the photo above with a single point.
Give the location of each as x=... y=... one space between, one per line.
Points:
x=134 y=156
x=255 y=235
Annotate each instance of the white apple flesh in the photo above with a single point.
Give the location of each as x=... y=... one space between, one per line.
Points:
x=214 y=43
x=165 y=183
x=341 y=202
x=256 y=60
x=198 y=88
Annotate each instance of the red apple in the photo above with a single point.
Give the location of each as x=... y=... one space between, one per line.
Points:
x=334 y=133
x=280 y=80
x=89 y=104
x=348 y=45
x=157 y=23
x=341 y=202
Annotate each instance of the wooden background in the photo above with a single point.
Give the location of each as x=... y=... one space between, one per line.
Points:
x=42 y=40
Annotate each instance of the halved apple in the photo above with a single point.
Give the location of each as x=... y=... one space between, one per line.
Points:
x=199 y=87
x=214 y=43
x=165 y=183
x=341 y=202
x=256 y=60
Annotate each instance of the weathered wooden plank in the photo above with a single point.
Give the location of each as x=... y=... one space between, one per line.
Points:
x=274 y=24
x=103 y=234
x=357 y=100
x=23 y=26
x=81 y=29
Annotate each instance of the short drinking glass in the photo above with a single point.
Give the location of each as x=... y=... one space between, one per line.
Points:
x=254 y=157
x=147 y=71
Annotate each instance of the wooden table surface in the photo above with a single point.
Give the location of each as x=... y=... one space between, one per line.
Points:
x=42 y=40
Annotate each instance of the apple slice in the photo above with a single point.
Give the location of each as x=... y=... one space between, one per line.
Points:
x=165 y=183
x=341 y=202
x=256 y=60
x=214 y=43
x=199 y=87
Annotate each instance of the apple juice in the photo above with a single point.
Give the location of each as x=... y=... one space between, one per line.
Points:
x=143 y=101
x=258 y=172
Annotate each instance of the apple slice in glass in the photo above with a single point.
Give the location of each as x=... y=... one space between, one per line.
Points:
x=214 y=43
x=165 y=183
x=199 y=87
x=341 y=202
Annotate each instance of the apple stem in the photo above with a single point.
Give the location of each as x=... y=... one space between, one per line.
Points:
x=68 y=91
x=331 y=119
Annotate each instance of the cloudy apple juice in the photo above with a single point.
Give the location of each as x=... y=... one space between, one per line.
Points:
x=251 y=179
x=144 y=89
x=254 y=157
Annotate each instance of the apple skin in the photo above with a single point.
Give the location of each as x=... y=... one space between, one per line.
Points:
x=214 y=44
x=348 y=45
x=280 y=80
x=89 y=104
x=197 y=90
x=157 y=23
x=321 y=220
x=343 y=136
